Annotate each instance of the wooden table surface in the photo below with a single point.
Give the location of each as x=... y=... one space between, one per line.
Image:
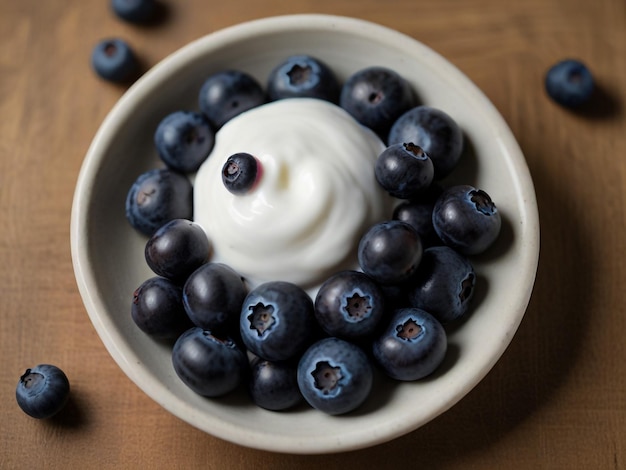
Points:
x=556 y=399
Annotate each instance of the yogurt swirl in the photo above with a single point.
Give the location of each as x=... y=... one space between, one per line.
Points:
x=316 y=196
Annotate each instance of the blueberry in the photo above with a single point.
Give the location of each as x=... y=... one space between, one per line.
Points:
x=335 y=376
x=42 y=391
x=157 y=309
x=412 y=346
x=274 y=385
x=404 y=170
x=569 y=83
x=209 y=365
x=435 y=132
x=240 y=172
x=390 y=252
x=277 y=320
x=184 y=140
x=156 y=197
x=177 y=249
x=376 y=97
x=114 y=60
x=443 y=285
x=303 y=76
x=134 y=11
x=466 y=219
x=418 y=212
x=213 y=296
x=349 y=305
x=227 y=94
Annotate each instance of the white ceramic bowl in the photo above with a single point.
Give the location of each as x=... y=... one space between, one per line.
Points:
x=109 y=261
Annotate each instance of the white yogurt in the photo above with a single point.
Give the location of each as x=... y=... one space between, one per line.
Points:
x=316 y=196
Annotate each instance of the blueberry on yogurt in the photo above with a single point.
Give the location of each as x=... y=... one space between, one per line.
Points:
x=240 y=172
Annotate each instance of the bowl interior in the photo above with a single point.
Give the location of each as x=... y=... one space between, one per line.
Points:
x=108 y=254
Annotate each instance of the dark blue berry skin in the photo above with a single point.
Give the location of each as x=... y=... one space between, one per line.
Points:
x=277 y=321
x=349 y=305
x=134 y=11
x=390 y=252
x=274 y=385
x=303 y=76
x=157 y=309
x=466 y=219
x=418 y=213
x=177 y=249
x=213 y=296
x=435 y=132
x=412 y=346
x=42 y=391
x=376 y=97
x=443 y=285
x=569 y=83
x=114 y=60
x=335 y=376
x=227 y=94
x=184 y=140
x=404 y=170
x=156 y=197
x=210 y=365
x=240 y=172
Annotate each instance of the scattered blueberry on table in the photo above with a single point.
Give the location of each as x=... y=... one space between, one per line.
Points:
x=114 y=60
x=134 y=11
x=569 y=83
x=42 y=391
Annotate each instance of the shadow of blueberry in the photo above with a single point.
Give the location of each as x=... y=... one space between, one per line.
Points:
x=602 y=104
x=73 y=416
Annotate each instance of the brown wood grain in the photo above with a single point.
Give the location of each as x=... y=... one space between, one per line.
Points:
x=556 y=399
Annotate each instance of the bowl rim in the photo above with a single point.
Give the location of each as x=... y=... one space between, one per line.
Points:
x=93 y=297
